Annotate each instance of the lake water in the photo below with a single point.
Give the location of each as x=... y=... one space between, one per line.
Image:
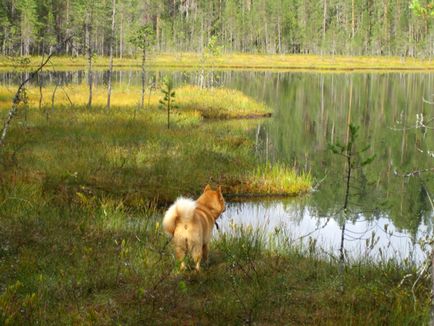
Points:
x=388 y=213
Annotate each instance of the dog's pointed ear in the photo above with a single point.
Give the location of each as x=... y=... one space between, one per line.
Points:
x=219 y=191
x=207 y=187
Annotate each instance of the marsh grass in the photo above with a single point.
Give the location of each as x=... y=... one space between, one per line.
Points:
x=241 y=61
x=219 y=103
x=215 y=103
x=99 y=262
x=128 y=154
x=276 y=179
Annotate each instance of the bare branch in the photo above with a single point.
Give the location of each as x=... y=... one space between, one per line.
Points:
x=17 y=98
x=413 y=173
x=427 y=102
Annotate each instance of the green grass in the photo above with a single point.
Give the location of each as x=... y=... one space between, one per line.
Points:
x=239 y=61
x=130 y=155
x=275 y=179
x=100 y=263
x=81 y=197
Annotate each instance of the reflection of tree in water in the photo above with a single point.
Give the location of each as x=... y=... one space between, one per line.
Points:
x=300 y=133
x=311 y=111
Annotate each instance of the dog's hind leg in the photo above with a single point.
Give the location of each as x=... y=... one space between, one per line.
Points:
x=196 y=252
x=205 y=252
x=180 y=257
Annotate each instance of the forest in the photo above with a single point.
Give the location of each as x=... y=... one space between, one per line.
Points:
x=216 y=162
x=333 y=27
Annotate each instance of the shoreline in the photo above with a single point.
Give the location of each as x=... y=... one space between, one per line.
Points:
x=192 y=61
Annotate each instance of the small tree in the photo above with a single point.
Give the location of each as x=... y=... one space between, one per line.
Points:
x=168 y=101
x=213 y=48
x=354 y=161
x=425 y=11
x=143 y=38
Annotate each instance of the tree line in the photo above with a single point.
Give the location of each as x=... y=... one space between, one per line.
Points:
x=357 y=27
x=352 y=27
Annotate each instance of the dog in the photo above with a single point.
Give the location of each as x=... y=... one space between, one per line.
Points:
x=190 y=224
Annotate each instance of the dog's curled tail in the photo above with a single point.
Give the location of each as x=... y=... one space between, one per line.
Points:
x=183 y=209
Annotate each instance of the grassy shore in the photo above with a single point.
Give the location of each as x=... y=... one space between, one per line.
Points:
x=237 y=61
x=82 y=194
x=102 y=263
x=130 y=152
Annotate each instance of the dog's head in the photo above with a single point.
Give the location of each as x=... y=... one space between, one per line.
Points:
x=213 y=199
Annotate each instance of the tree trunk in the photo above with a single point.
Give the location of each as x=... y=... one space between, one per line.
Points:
x=53 y=96
x=112 y=38
x=67 y=27
x=353 y=19
x=266 y=37
x=142 y=100
x=121 y=37
x=386 y=43
x=40 y=92
x=279 y=35
x=432 y=284
x=324 y=20
x=89 y=57
x=157 y=31
x=168 y=111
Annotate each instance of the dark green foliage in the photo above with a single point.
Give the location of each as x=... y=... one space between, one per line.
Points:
x=168 y=101
x=374 y=27
x=355 y=176
x=143 y=37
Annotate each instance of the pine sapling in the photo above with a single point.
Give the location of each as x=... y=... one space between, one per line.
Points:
x=168 y=100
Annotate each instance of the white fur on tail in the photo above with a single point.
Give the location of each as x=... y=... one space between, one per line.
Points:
x=183 y=208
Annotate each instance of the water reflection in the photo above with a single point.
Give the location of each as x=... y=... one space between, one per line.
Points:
x=312 y=110
x=368 y=239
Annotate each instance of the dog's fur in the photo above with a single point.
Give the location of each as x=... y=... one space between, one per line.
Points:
x=191 y=222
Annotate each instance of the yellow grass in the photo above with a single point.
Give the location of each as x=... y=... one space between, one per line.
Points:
x=240 y=61
x=217 y=103
x=275 y=179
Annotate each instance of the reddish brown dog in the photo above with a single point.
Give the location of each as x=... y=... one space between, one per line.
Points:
x=191 y=222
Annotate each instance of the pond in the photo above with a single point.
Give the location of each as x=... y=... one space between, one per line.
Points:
x=388 y=212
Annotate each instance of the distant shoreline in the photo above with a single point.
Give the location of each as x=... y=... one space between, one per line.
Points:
x=192 y=61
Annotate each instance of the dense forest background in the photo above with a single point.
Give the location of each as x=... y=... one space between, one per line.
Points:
x=351 y=27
